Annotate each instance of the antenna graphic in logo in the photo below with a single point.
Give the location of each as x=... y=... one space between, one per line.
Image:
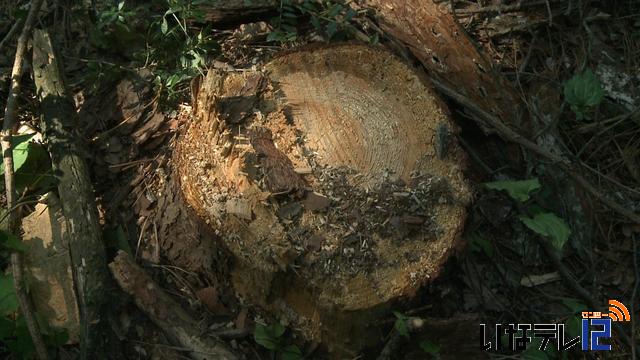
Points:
x=617 y=311
x=601 y=321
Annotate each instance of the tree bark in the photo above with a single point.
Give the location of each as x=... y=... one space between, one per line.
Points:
x=59 y=123
x=230 y=11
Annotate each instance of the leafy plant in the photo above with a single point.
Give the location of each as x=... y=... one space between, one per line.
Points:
x=166 y=45
x=583 y=92
x=550 y=226
x=518 y=190
x=330 y=19
x=14 y=334
x=401 y=324
x=21 y=145
x=270 y=337
x=8 y=241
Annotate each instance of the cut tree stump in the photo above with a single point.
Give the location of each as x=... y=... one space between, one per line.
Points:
x=334 y=177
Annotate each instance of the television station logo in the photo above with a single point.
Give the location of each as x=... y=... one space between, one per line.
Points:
x=595 y=328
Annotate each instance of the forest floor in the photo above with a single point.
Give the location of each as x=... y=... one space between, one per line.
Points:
x=130 y=69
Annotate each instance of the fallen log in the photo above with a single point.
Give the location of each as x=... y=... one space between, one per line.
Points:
x=231 y=11
x=59 y=123
x=165 y=312
x=334 y=178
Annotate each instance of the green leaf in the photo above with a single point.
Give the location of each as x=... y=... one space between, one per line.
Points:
x=518 y=190
x=332 y=29
x=430 y=347
x=268 y=336
x=11 y=242
x=8 y=299
x=401 y=324
x=549 y=225
x=291 y=352
x=335 y=10
x=20 y=151
x=164 y=26
x=583 y=91
x=479 y=243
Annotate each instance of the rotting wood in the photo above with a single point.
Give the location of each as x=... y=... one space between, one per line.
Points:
x=59 y=122
x=165 y=312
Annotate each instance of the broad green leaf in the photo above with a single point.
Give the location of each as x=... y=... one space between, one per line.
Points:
x=8 y=299
x=479 y=243
x=401 y=324
x=268 y=336
x=583 y=91
x=430 y=347
x=20 y=151
x=291 y=352
x=332 y=29
x=11 y=242
x=518 y=190
x=164 y=26
x=549 y=225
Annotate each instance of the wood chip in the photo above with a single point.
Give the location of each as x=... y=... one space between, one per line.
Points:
x=239 y=208
x=316 y=202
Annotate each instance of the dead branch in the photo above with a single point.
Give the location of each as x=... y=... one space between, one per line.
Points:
x=165 y=312
x=12 y=31
x=7 y=132
x=88 y=256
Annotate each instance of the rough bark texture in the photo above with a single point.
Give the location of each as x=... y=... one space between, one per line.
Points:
x=165 y=312
x=88 y=256
x=431 y=33
x=337 y=185
x=229 y=11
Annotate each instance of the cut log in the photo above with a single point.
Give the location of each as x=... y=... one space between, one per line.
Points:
x=374 y=217
x=431 y=33
x=59 y=121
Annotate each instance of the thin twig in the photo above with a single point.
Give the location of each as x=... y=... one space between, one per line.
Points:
x=10 y=34
x=5 y=139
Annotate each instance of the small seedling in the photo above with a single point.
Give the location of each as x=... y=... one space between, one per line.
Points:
x=583 y=92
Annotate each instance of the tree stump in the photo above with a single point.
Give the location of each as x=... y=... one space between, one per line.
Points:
x=334 y=177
